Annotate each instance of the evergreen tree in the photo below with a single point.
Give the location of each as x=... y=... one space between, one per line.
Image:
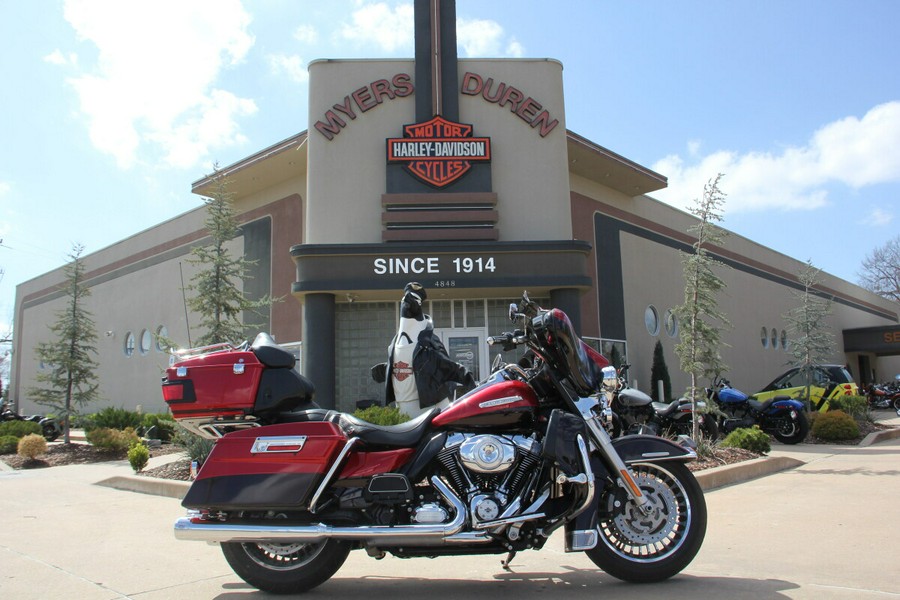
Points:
x=70 y=381
x=701 y=319
x=659 y=371
x=811 y=339
x=218 y=297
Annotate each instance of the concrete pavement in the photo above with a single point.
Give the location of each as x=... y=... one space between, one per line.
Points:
x=824 y=529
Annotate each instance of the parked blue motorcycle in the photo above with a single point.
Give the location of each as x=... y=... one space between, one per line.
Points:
x=783 y=417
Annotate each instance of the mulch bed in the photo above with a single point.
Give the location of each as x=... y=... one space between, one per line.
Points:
x=71 y=454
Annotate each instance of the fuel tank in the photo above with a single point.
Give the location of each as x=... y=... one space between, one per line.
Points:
x=732 y=396
x=494 y=404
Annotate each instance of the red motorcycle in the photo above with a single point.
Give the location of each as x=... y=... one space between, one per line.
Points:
x=289 y=489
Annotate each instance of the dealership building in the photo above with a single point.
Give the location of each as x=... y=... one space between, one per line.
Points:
x=463 y=176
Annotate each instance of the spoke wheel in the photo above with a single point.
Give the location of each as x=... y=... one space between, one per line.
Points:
x=640 y=547
x=286 y=568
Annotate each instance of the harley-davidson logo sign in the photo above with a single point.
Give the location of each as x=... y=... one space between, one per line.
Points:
x=402 y=370
x=438 y=151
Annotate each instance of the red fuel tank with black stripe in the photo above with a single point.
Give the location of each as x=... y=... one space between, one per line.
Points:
x=495 y=404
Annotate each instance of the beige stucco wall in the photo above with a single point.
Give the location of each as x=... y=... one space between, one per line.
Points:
x=347 y=173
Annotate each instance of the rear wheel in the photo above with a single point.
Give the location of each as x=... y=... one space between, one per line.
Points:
x=646 y=548
x=289 y=568
x=790 y=430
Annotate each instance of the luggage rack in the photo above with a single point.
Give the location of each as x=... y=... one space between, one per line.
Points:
x=179 y=355
x=218 y=428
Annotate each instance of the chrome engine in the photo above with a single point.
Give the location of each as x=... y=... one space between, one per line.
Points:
x=489 y=472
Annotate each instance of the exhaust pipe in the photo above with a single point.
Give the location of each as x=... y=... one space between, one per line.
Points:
x=386 y=535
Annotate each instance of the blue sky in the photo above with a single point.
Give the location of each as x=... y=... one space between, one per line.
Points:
x=110 y=109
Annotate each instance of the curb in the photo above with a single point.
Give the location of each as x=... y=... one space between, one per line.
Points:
x=717 y=477
x=169 y=488
x=880 y=436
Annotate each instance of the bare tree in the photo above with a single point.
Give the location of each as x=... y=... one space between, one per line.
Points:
x=881 y=270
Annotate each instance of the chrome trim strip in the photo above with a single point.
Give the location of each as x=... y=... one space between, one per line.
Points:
x=326 y=481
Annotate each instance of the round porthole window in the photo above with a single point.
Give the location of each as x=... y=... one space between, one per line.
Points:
x=785 y=343
x=146 y=341
x=129 y=344
x=764 y=337
x=162 y=334
x=651 y=320
x=671 y=322
x=774 y=338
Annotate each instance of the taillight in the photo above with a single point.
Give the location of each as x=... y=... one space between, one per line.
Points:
x=178 y=391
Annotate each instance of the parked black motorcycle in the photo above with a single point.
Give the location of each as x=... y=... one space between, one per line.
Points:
x=636 y=413
x=781 y=416
x=50 y=429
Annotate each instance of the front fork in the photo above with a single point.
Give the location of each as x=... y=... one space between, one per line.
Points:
x=600 y=438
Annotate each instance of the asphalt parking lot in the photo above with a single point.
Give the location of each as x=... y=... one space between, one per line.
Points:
x=827 y=528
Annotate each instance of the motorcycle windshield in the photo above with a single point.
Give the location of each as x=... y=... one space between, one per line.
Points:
x=583 y=364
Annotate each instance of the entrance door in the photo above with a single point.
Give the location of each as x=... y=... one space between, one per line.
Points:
x=468 y=347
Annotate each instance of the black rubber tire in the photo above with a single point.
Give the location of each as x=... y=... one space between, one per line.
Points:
x=286 y=568
x=50 y=433
x=645 y=552
x=709 y=427
x=788 y=431
x=896 y=404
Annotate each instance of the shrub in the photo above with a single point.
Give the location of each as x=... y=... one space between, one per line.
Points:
x=158 y=426
x=9 y=444
x=31 y=446
x=381 y=415
x=835 y=425
x=116 y=440
x=197 y=448
x=753 y=439
x=855 y=406
x=19 y=429
x=138 y=457
x=114 y=418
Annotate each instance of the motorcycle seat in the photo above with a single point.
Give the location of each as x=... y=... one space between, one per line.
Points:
x=404 y=435
x=762 y=406
x=271 y=354
x=664 y=409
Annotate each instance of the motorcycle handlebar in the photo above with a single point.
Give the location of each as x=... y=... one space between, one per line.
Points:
x=509 y=340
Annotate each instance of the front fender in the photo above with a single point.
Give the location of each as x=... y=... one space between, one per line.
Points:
x=642 y=448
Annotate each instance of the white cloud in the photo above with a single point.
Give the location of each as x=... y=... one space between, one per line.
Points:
x=392 y=30
x=58 y=58
x=291 y=66
x=306 y=34
x=877 y=217
x=389 y=29
x=483 y=37
x=152 y=88
x=852 y=152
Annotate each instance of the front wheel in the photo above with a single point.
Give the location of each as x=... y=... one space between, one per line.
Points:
x=289 y=568
x=788 y=430
x=896 y=404
x=646 y=548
